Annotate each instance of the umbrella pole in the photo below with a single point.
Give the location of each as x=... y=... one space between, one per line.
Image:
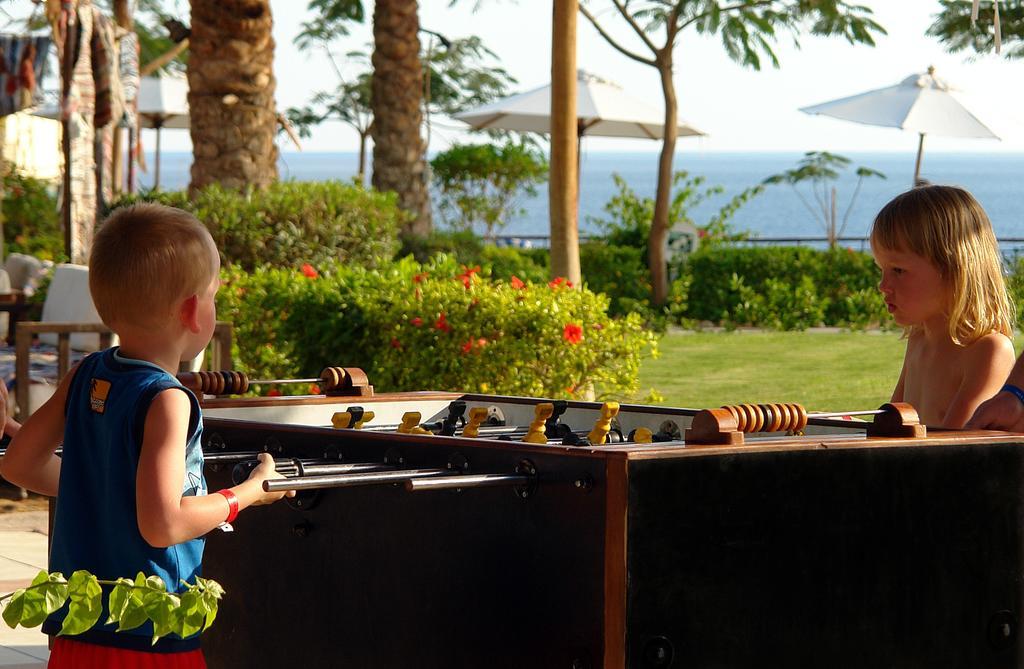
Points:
x=156 y=171
x=131 y=158
x=917 y=165
x=579 y=144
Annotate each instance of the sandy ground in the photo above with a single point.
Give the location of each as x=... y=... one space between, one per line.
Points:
x=21 y=515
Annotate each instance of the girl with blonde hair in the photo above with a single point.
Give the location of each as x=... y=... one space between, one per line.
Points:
x=942 y=280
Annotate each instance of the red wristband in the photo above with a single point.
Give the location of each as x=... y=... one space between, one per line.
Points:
x=232 y=504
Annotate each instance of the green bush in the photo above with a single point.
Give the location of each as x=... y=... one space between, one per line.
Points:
x=784 y=287
x=468 y=249
x=630 y=216
x=463 y=245
x=437 y=326
x=505 y=262
x=620 y=272
x=480 y=184
x=292 y=223
x=781 y=306
x=1015 y=284
x=31 y=217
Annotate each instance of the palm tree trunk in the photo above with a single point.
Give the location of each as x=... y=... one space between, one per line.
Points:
x=231 y=94
x=659 y=226
x=399 y=163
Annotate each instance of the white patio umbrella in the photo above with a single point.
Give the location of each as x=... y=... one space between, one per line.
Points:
x=163 y=103
x=922 y=103
x=602 y=109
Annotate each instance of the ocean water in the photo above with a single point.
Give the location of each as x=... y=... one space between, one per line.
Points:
x=996 y=179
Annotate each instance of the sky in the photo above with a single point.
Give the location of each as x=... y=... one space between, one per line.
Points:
x=740 y=109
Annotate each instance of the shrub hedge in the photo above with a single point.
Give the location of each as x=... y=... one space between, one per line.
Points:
x=292 y=222
x=784 y=287
x=773 y=287
x=439 y=326
x=31 y=216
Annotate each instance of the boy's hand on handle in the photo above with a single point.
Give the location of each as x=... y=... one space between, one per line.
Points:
x=265 y=471
x=1002 y=412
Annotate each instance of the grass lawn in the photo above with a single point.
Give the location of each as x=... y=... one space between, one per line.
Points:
x=824 y=371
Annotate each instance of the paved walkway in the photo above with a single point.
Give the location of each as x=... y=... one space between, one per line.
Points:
x=22 y=556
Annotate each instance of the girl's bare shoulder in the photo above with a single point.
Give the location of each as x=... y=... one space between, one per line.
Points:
x=992 y=346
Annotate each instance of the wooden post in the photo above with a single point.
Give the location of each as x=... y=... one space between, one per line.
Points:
x=123 y=18
x=67 y=74
x=563 y=185
x=158 y=123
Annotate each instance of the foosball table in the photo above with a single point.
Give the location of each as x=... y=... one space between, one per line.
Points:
x=456 y=530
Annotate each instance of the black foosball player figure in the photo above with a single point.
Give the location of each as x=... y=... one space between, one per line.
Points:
x=129 y=484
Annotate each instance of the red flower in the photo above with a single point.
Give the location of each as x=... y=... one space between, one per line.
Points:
x=395 y=343
x=571 y=390
x=572 y=333
x=467 y=275
x=314 y=389
x=467 y=347
x=309 y=271
x=701 y=233
x=517 y=283
x=442 y=324
x=559 y=282
x=274 y=392
x=419 y=278
x=417 y=321
x=481 y=342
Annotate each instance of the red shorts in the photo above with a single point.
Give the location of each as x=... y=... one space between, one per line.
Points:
x=69 y=654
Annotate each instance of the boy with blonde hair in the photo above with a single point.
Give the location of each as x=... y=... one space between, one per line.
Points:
x=130 y=490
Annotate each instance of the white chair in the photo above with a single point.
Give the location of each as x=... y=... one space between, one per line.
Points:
x=70 y=328
x=68 y=301
x=25 y=271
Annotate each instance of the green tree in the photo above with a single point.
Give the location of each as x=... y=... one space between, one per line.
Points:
x=821 y=170
x=349 y=103
x=954 y=29
x=480 y=184
x=748 y=30
x=629 y=215
x=397 y=92
x=459 y=75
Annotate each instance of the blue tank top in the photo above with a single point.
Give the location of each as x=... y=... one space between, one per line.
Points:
x=95 y=525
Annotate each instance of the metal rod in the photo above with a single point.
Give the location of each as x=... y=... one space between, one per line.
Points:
x=265 y=381
x=840 y=414
x=319 y=469
x=466 y=481
x=492 y=430
x=240 y=456
x=349 y=480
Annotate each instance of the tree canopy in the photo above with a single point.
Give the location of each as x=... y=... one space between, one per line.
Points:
x=953 y=27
